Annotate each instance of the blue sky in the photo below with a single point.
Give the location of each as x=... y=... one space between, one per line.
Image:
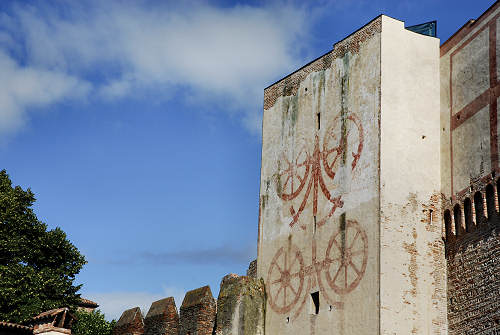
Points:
x=137 y=125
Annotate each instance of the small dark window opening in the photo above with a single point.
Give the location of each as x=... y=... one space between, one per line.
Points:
x=315 y=225
x=315 y=303
x=468 y=214
x=318 y=116
x=447 y=223
x=478 y=205
x=490 y=201
x=457 y=215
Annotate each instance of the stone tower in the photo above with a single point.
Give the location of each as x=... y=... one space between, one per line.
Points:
x=350 y=232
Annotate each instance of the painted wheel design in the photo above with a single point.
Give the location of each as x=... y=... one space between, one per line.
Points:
x=285 y=279
x=338 y=138
x=346 y=258
x=293 y=173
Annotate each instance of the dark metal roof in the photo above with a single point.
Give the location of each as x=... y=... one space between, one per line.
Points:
x=427 y=28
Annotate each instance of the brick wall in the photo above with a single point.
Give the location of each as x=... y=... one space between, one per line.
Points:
x=252 y=269
x=162 y=318
x=474 y=280
x=130 y=323
x=197 y=313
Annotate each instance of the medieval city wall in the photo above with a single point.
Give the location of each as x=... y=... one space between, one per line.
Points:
x=379 y=203
x=239 y=310
x=469 y=166
x=412 y=264
x=319 y=205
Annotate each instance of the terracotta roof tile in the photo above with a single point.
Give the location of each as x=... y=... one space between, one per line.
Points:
x=87 y=303
x=9 y=325
x=52 y=312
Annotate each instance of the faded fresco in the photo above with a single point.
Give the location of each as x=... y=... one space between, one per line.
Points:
x=318 y=207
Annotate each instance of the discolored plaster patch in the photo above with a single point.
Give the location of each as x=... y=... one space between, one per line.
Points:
x=411 y=249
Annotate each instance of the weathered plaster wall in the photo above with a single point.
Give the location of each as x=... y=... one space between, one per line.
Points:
x=469 y=147
x=319 y=213
x=412 y=264
x=469 y=93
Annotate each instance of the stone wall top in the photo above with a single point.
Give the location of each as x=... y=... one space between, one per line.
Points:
x=129 y=316
x=162 y=306
x=197 y=296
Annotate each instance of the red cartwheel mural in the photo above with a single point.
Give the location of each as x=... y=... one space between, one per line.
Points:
x=341 y=269
x=305 y=177
x=304 y=174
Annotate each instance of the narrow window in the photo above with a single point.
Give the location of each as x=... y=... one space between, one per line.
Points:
x=318 y=118
x=457 y=215
x=468 y=214
x=478 y=205
x=490 y=201
x=315 y=225
x=315 y=303
x=447 y=223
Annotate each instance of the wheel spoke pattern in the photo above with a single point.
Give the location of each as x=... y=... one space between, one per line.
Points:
x=346 y=258
x=337 y=140
x=285 y=279
x=293 y=174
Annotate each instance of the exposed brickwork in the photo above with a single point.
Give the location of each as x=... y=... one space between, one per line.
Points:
x=252 y=269
x=130 y=323
x=162 y=318
x=240 y=306
x=288 y=86
x=474 y=280
x=197 y=313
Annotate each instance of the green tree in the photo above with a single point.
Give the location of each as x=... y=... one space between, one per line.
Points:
x=37 y=266
x=92 y=323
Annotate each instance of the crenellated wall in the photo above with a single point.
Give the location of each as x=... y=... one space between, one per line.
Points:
x=162 y=318
x=379 y=196
x=130 y=323
x=469 y=167
x=239 y=310
x=241 y=306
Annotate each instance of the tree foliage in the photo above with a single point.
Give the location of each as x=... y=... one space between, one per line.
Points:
x=92 y=323
x=37 y=266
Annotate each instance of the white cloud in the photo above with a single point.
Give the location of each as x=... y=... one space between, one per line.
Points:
x=217 y=53
x=28 y=87
x=115 y=303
